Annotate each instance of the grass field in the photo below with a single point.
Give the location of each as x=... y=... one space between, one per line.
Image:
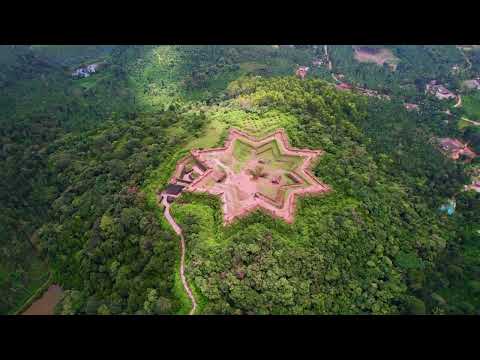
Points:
x=252 y=123
x=463 y=124
x=271 y=151
x=211 y=136
x=242 y=153
x=471 y=106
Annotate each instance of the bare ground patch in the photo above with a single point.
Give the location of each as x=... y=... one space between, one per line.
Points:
x=378 y=56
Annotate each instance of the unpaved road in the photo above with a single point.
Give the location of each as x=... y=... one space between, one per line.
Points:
x=459 y=102
x=471 y=121
x=45 y=305
x=466 y=59
x=178 y=231
x=325 y=48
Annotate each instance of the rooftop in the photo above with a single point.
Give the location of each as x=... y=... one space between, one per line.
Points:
x=174 y=189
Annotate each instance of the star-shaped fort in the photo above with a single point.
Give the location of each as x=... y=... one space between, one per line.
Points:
x=250 y=173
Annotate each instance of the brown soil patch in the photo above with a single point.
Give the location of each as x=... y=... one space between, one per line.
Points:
x=378 y=56
x=46 y=304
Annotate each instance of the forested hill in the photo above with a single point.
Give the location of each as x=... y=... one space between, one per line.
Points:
x=83 y=158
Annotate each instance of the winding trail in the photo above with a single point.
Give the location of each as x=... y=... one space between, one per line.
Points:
x=162 y=198
x=459 y=102
x=325 y=49
x=466 y=58
x=477 y=123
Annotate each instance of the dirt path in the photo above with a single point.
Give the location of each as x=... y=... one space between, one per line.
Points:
x=466 y=59
x=325 y=48
x=45 y=305
x=459 y=102
x=178 y=231
x=471 y=121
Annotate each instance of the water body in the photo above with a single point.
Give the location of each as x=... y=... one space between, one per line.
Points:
x=46 y=303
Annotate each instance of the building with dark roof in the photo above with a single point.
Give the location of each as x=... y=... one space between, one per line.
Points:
x=174 y=189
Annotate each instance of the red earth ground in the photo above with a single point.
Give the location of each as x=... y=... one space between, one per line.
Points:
x=46 y=304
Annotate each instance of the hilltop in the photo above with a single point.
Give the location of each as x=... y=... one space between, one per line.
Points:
x=85 y=158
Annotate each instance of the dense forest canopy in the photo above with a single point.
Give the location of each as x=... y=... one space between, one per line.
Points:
x=83 y=158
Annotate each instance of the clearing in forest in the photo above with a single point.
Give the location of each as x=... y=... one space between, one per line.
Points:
x=471 y=106
x=251 y=173
x=378 y=56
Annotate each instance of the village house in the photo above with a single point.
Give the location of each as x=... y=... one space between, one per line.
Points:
x=174 y=189
x=84 y=72
x=343 y=86
x=92 y=68
x=410 y=106
x=372 y=93
x=475 y=186
x=473 y=84
x=302 y=71
x=366 y=92
x=440 y=91
x=444 y=93
x=477 y=83
x=455 y=149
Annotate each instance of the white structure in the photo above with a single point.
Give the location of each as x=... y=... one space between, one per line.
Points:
x=440 y=91
x=85 y=71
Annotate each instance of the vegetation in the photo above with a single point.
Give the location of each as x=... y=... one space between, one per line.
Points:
x=338 y=244
x=82 y=161
x=471 y=106
x=417 y=65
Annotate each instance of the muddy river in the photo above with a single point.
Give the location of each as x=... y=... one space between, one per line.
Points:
x=46 y=303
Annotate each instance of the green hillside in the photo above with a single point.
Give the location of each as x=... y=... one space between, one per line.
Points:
x=82 y=160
